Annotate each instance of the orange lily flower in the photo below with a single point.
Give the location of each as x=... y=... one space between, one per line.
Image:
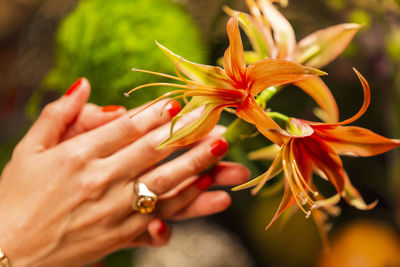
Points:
x=313 y=146
x=272 y=36
x=234 y=85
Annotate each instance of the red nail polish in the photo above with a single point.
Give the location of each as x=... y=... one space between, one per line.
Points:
x=111 y=108
x=173 y=108
x=162 y=228
x=99 y=264
x=219 y=147
x=73 y=87
x=204 y=182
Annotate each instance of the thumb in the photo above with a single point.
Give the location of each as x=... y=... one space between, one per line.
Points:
x=55 y=118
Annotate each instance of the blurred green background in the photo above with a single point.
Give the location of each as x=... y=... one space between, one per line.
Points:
x=46 y=45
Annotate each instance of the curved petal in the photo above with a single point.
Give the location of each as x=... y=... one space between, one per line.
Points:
x=288 y=199
x=273 y=170
x=317 y=89
x=351 y=140
x=323 y=46
x=283 y=32
x=204 y=74
x=364 y=107
x=234 y=62
x=260 y=37
x=353 y=197
x=286 y=202
x=250 y=111
x=196 y=129
x=272 y=72
x=265 y=153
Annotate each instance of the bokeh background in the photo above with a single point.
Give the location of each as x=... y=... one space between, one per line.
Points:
x=47 y=44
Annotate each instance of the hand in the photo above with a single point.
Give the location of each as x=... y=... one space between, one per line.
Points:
x=66 y=194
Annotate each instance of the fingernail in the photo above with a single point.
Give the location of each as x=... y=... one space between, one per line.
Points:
x=111 y=108
x=204 y=182
x=162 y=228
x=99 y=264
x=73 y=87
x=219 y=147
x=173 y=108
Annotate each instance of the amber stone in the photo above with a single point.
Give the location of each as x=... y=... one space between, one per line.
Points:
x=146 y=204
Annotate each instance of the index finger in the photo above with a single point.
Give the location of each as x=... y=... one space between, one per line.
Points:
x=109 y=138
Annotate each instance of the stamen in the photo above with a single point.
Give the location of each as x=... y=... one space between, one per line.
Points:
x=314 y=206
x=288 y=174
x=308 y=214
x=157 y=84
x=159 y=74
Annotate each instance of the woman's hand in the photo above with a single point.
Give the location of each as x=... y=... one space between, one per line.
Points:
x=65 y=196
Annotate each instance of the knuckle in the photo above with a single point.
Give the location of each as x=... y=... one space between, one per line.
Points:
x=197 y=163
x=161 y=183
x=19 y=150
x=77 y=156
x=92 y=188
x=120 y=236
x=130 y=127
x=51 y=110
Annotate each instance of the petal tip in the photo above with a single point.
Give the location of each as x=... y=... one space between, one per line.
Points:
x=313 y=71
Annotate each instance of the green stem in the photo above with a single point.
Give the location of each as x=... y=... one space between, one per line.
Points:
x=266 y=95
x=278 y=116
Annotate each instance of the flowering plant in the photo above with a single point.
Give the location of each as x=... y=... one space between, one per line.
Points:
x=249 y=79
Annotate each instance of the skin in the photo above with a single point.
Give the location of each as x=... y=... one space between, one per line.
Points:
x=65 y=195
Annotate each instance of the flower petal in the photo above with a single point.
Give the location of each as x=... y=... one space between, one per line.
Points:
x=323 y=46
x=322 y=95
x=283 y=32
x=273 y=170
x=351 y=140
x=250 y=111
x=364 y=107
x=325 y=160
x=286 y=202
x=353 y=197
x=272 y=72
x=259 y=36
x=265 y=153
x=196 y=129
x=288 y=199
x=234 y=62
x=204 y=74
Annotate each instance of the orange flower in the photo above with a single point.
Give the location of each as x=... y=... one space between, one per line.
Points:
x=310 y=146
x=272 y=36
x=234 y=85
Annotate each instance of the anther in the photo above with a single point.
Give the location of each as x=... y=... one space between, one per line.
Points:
x=315 y=206
x=126 y=94
x=308 y=214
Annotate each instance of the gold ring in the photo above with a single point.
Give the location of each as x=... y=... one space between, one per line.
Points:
x=143 y=200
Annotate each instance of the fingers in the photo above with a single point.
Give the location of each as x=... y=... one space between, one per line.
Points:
x=91 y=117
x=194 y=202
x=229 y=173
x=109 y=138
x=205 y=204
x=55 y=118
x=165 y=177
x=158 y=234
